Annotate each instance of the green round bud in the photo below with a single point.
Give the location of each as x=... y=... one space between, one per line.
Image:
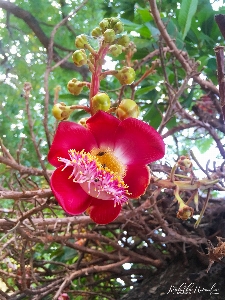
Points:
x=81 y=40
x=113 y=21
x=109 y=35
x=127 y=108
x=126 y=75
x=75 y=86
x=100 y=101
x=118 y=27
x=96 y=32
x=123 y=40
x=79 y=57
x=104 y=24
x=61 y=112
x=115 y=50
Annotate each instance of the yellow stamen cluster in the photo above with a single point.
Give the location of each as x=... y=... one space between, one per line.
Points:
x=108 y=161
x=98 y=177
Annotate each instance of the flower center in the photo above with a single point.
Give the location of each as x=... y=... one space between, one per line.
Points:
x=99 y=173
x=108 y=160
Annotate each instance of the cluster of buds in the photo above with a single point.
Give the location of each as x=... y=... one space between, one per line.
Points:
x=112 y=26
x=112 y=41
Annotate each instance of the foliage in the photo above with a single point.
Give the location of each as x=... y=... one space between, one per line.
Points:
x=45 y=252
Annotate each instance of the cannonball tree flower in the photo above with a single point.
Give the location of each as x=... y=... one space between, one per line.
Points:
x=102 y=165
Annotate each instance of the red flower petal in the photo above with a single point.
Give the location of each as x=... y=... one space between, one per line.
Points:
x=70 y=135
x=103 y=126
x=137 y=178
x=103 y=211
x=69 y=194
x=138 y=143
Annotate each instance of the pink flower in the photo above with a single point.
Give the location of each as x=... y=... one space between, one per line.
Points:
x=103 y=165
x=63 y=296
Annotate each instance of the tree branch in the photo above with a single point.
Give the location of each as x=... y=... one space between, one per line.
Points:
x=32 y=22
x=178 y=54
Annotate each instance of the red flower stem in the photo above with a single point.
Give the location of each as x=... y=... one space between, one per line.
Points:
x=109 y=72
x=95 y=79
x=85 y=108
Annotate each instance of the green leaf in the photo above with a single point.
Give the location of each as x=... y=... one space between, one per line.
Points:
x=203 y=145
x=187 y=10
x=145 y=15
x=144 y=90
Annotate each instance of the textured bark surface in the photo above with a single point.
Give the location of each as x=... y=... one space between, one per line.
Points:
x=190 y=278
x=185 y=275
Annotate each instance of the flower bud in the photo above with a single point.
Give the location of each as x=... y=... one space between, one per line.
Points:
x=127 y=108
x=113 y=21
x=63 y=296
x=83 y=121
x=74 y=86
x=61 y=112
x=79 y=57
x=185 y=163
x=185 y=212
x=109 y=35
x=96 y=32
x=118 y=27
x=126 y=75
x=115 y=50
x=104 y=24
x=123 y=40
x=81 y=40
x=100 y=101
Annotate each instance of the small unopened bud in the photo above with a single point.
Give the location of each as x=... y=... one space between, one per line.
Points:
x=115 y=50
x=113 y=21
x=185 y=212
x=185 y=163
x=83 y=122
x=127 y=108
x=96 y=32
x=118 y=27
x=100 y=101
x=61 y=112
x=126 y=75
x=123 y=40
x=75 y=86
x=109 y=35
x=81 y=40
x=104 y=24
x=79 y=57
x=64 y=296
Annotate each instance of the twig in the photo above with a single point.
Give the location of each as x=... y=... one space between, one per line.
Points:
x=219 y=50
x=88 y=270
x=27 y=89
x=178 y=54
